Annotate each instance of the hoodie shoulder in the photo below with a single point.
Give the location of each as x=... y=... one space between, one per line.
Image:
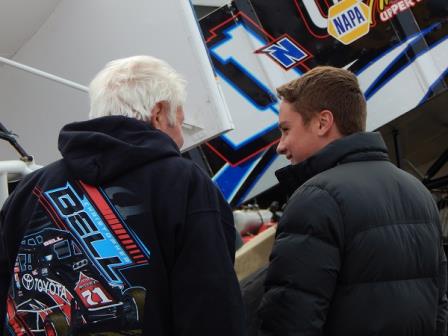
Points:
x=102 y=149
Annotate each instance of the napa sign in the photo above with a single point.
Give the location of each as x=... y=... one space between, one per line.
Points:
x=348 y=20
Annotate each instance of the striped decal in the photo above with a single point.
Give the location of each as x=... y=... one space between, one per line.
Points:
x=114 y=223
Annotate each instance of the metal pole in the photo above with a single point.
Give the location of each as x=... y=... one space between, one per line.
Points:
x=3 y=188
x=15 y=168
x=440 y=182
x=44 y=74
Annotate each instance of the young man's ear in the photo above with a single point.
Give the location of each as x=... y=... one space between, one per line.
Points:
x=325 y=122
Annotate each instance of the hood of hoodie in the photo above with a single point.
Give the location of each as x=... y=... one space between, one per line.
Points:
x=101 y=149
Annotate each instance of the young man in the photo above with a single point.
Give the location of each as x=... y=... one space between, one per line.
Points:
x=122 y=235
x=358 y=249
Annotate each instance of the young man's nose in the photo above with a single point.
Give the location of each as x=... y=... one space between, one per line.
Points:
x=281 y=148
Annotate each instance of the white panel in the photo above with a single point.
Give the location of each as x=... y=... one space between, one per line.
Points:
x=211 y=3
x=404 y=92
x=375 y=68
x=268 y=179
x=315 y=14
x=241 y=47
x=78 y=39
x=248 y=118
x=19 y=20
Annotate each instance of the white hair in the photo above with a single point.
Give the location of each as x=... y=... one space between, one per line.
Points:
x=132 y=86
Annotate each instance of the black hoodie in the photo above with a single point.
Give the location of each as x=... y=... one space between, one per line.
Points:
x=121 y=235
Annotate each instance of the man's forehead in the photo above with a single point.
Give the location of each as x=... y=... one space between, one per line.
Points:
x=286 y=115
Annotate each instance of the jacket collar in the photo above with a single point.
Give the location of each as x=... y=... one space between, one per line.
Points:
x=365 y=146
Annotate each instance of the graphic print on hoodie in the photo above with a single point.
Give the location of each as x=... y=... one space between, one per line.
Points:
x=121 y=212
x=75 y=271
x=69 y=270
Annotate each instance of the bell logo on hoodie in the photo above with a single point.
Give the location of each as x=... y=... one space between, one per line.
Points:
x=98 y=229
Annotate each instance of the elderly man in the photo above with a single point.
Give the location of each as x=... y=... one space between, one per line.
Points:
x=122 y=234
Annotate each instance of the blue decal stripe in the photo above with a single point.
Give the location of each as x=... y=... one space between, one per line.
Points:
x=230 y=178
x=411 y=40
x=257 y=178
x=438 y=81
x=257 y=135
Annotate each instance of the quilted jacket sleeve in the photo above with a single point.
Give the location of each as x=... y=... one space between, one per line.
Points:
x=304 y=265
x=442 y=311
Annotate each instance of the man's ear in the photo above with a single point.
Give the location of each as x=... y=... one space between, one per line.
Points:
x=325 y=122
x=156 y=115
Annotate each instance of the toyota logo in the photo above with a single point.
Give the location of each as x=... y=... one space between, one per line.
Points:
x=27 y=281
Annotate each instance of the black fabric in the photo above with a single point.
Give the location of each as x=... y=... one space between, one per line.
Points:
x=358 y=249
x=252 y=289
x=169 y=223
x=100 y=149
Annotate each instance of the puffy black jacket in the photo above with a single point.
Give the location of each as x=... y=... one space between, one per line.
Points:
x=358 y=249
x=122 y=235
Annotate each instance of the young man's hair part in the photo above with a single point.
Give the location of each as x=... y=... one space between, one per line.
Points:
x=328 y=88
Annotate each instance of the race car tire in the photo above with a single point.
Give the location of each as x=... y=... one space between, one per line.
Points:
x=56 y=325
x=138 y=297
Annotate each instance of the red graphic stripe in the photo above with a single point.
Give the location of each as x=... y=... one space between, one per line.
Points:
x=112 y=220
x=305 y=22
x=17 y=324
x=54 y=216
x=244 y=159
x=234 y=18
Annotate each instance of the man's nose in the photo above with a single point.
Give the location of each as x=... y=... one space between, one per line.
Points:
x=281 y=147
